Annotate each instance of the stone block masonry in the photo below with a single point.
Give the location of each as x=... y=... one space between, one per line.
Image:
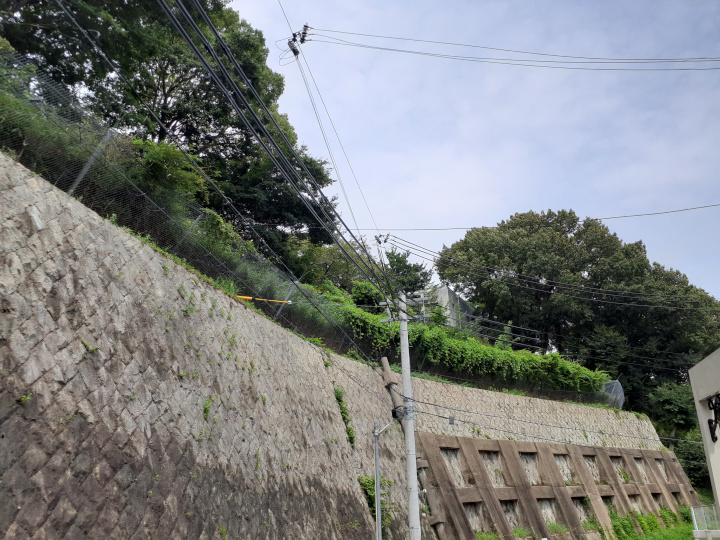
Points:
x=136 y=401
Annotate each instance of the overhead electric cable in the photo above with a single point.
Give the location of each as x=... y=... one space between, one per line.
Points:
x=112 y=65
x=261 y=126
x=337 y=135
x=687 y=59
x=535 y=281
x=578 y=353
x=527 y=286
x=287 y=173
x=646 y=214
x=542 y=64
x=327 y=142
x=541 y=349
x=505 y=418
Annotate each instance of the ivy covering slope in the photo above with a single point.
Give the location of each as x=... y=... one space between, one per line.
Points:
x=466 y=356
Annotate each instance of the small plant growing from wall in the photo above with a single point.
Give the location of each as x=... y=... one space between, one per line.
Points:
x=557 y=528
x=388 y=509
x=486 y=535
x=519 y=532
x=340 y=397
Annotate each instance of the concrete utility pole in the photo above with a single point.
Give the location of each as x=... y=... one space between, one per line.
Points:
x=409 y=415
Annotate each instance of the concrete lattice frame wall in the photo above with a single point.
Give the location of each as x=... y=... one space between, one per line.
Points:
x=475 y=485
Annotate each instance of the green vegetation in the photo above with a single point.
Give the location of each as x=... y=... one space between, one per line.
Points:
x=486 y=535
x=557 y=528
x=388 y=508
x=206 y=407
x=88 y=348
x=624 y=526
x=684 y=531
x=549 y=247
x=519 y=532
x=669 y=517
x=648 y=522
x=24 y=399
x=339 y=397
x=592 y=524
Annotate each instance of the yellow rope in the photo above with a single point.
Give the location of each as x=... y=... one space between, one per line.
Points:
x=264 y=300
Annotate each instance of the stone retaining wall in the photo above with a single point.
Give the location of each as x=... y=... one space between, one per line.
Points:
x=138 y=401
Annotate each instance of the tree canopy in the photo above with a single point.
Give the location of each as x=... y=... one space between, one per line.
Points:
x=164 y=74
x=409 y=277
x=548 y=274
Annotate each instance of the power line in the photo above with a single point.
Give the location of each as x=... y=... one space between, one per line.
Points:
x=578 y=349
x=514 y=62
x=579 y=356
x=97 y=48
x=691 y=59
x=505 y=418
x=543 y=281
x=647 y=214
x=327 y=143
x=322 y=208
x=535 y=283
x=282 y=158
x=337 y=135
x=596 y=300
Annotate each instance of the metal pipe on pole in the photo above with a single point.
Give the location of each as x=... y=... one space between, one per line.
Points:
x=409 y=415
x=378 y=510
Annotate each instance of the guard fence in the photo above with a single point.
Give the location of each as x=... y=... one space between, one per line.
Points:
x=44 y=127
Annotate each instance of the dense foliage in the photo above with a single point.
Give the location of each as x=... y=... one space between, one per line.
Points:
x=516 y=273
x=165 y=74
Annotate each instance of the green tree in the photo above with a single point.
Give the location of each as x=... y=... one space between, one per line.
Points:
x=164 y=73
x=366 y=295
x=673 y=408
x=691 y=454
x=410 y=277
x=319 y=263
x=517 y=271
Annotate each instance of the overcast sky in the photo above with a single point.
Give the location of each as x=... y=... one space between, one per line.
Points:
x=440 y=143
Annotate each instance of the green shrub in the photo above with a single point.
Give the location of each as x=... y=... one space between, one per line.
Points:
x=486 y=535
x=623 y=526
x=387 y=508
x=669 y=517
x=685 y=513
x=519 y=532
x=648 y=522
x=557 y=528
x=340 y=398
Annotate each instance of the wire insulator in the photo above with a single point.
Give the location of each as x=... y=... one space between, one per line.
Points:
x=293 y=47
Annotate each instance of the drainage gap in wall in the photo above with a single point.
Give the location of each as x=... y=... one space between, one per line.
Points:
x=592 y=465
x=530 y=464
x=563 y=465
x=477 y=517
x=494 y=466
x=451 y=456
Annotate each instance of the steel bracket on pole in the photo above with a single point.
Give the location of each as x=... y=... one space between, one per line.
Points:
x=714 y=405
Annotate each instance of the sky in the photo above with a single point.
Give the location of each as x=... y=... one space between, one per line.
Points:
x=437 y=143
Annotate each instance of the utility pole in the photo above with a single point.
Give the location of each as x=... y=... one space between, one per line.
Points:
x=409 y=415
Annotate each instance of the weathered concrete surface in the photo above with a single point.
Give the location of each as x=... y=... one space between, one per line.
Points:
x=106 y=369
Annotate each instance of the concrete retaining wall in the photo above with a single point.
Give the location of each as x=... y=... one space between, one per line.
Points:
x=138 y=401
